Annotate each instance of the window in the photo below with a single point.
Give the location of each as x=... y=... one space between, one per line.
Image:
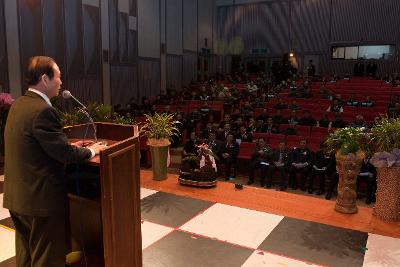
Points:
x=363 y=52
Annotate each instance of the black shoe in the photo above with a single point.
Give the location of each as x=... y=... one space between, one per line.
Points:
x=282 y=188
x=328 y=196
x=250 y=182
x=310 y=191
x=268 y=186
x=319 y=192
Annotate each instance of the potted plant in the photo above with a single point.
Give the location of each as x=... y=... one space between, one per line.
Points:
x=349 y=145
x=159 y=129
x=5 y=104
x=385 y=137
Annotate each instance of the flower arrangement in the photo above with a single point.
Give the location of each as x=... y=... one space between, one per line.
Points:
x=348 y=140
x=159 y=128
x=385 y=140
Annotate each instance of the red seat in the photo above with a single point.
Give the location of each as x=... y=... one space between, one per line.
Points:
x=303 y=130
x=246 y=149
x=257 y=135
x=320 y=132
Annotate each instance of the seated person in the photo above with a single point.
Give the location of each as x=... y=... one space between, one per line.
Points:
x=237 y=124
x=338 y=122
x=223 y=133
x=264 y=115
x=300 y=162
x=243 y=135
x=359 y=122
x=206 y=131
x=190 y=148
x=368 y=174
x=229 y=153
x=227 y=119
x=336 y=106
x=324 y=121
x=251 y=125
x=192 y=119
x=322 y=167
x=214 y=144
x=260 y=159
x=278 y=118
x=307 y=120
x=293 y=119
x=294 y=105
x=352 y=101
x=367 y=102
x=206 y=112
x=280 y=162
x=260 y=127
x=271 y=127
x=280 y=104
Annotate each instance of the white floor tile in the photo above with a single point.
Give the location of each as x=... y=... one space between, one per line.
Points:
x=7 y=244
x=3 y=212
x=153 y=232
x=259 y=258
x=235 y=225
x=382 y=251
x=144 y=192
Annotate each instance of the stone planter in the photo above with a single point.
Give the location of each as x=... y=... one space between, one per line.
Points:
x=348 y=167
x=387 y=206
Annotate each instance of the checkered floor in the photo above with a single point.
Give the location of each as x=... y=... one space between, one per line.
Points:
x=181 y=231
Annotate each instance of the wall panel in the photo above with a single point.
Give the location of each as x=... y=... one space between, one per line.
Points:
x=174 y=72
x=148 y=77
x=4 y=85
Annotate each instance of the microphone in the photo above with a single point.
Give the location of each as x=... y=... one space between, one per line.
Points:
x=66 y=95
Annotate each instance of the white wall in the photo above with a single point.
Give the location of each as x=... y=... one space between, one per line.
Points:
x=149 y=28
x=174 y=26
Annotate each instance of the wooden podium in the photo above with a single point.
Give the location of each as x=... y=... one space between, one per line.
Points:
x=110 y=222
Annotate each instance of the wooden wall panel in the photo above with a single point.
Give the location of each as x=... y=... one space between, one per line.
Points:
x=4 y=85
x=30 y=29
x=53 y=31
x=124 y=84
x=92 y=40
x=74 y=38
x=148 y=77
x=174 y=72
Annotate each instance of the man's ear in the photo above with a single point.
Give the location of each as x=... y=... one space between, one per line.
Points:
x=45 y=78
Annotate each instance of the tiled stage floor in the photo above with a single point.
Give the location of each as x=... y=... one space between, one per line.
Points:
x=184 y=231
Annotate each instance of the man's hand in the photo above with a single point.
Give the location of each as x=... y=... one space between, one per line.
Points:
x=97 y=147
x=82 y=143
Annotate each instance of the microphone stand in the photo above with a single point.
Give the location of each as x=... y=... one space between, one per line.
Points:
x=84 y=111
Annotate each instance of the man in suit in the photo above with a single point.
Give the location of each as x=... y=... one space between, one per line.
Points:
x=37 y=152
x=280 y=162
x=368 y=173
x=323 y=165
x=260 y=159
x=229 y=153
x=301 y=160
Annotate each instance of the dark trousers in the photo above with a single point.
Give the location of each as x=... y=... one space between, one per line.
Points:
x=229 y=163
x=253 y=167
x=282 y=175
x=371 y=186
x=304 y=172
x=321 y=175
x=333 y=182
x=39 y=241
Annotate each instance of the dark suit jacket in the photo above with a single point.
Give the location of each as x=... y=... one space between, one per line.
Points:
x=37 y=152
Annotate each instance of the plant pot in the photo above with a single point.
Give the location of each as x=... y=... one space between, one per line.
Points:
x=387 y=205
x=159 y=158
x=348 y=167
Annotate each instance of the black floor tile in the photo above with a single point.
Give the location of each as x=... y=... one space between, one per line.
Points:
x=8 y=222
x=181 y=249
x=171 y=210
x=317 y=243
